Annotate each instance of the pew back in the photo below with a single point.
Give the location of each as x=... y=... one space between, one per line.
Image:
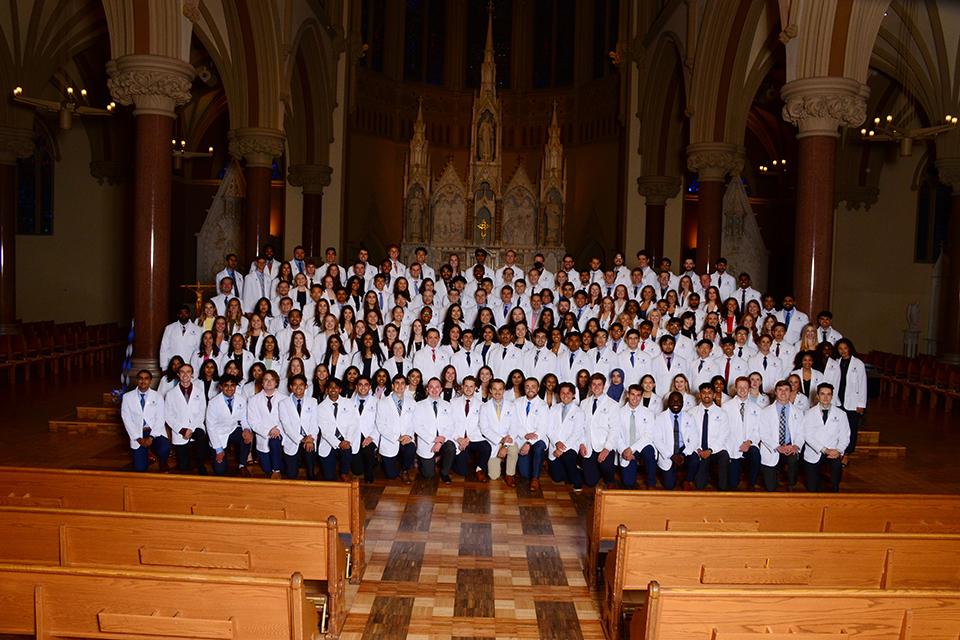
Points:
x=93 y=603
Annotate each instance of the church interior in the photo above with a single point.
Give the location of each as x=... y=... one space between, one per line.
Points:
x=811 y=143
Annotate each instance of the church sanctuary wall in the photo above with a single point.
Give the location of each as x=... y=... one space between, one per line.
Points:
x=874 y=276
x=80 y=272
x=592 y=187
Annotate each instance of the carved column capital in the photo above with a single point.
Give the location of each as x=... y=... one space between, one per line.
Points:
x=15 y=143
x=856 y=197
x=714 y=160
x=949 y=172
x=257 y=146
x=155 y=85
x=817 y=106
x=658 y=189
x=311 y=177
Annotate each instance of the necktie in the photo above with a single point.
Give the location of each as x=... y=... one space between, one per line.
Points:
x=286 y=322
x=497 y=407
x=824 y=336
x=609 y=291
x=434 y=354
x=778 y=349
x=740 y=355
x=361 y=406
x=719 y=280
x=632 y=362
x=669 y=359
x=598 y=356
x=269 y=403
x=300 y=409
x=743 y=409
x=563 y=412
x=677 y=448
x=783 y=425
x=743 y=298
x=636 y=291
x=726 y=371
x=183 y=330
x=400 y=407
x=468 y=363
x=594 y=406
x=381 y=299
x=787 y=318
x=300 y=266
x=826 y=412
x=633 y=426
x=572 y=356
x=416 y=288
x=230 y=404
x=528 y=407
x=336 y=410
x=764 y=362
x=536 y=358
x=643 y=345
x=506 y=310
x=143 y=400
x=706 y=423
x=579 y=312
x=466 y=409
x=700 y=368
x=503 y=355
x=434 y=408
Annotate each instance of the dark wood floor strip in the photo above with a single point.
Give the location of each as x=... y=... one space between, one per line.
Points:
x=405 y=561
x=389 y=619
x=535 y=521
x=476 y=540
x=546 y=567
x=476 y=501
x=474 y=598
x=558 y=621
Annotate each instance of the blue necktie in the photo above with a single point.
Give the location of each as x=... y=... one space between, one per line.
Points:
x=632 y=363
x=594 y=406
x=528 y=407
x=143 y=400
x=706 y=422
x=230 y=404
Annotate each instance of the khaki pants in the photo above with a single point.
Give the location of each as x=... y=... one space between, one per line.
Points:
x=493 y=467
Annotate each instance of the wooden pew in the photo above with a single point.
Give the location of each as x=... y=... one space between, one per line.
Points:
x=787 y=512
x=48 y=602
x=193 y=495
x=743 y=560
x=680 y=613
x=181 y=544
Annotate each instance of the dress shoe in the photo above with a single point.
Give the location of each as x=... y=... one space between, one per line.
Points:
x=687 y=486
x=368 y=478
x=344 y=477
x=244 y=472
x=482 y=477
x=611 y=485
x=446 y=479
x=405 y=477
x=535 y=484
x=751 y=488
x=577 y=489
x=275 y=475
x=201 y=470
x=510 y=481
x=164 y=467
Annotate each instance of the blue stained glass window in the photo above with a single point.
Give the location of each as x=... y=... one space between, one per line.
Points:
x=553 y=43
x=35 y=191
x=372 y=16
x=566 y=36
x=424 y=41
x=413 y=42
x=606 y=27
x=477 y=39
x=694 y=186
x=436 y=41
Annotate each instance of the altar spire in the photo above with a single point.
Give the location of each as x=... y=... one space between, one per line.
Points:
x=488 y=70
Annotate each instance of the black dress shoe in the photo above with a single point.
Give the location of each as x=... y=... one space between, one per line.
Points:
x=446 y=479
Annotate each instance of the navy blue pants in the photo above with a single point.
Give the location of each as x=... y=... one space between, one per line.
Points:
x=403 y=461
x=531 y=464
x=272 y=460
x=141 y=455
x=564 y=469
x=594 y=470
x=329 y=463
x=292 y=463
x=649 y=457
x=243 y=451
x=461 y=466
x=752 y=456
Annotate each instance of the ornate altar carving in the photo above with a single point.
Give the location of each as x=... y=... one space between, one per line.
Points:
x=222 y=232
x=742 y=243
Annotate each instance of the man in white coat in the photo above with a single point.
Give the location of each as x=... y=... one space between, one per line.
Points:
x=781 y=438
x=793 y=318
x=667 y=365
x=711 y=438
x=601 y=434
x=766 y=364
x=539 y=361
x=301 y=429
x=263 y=416
x=431 y=359
x=731 y=367
x=826 y=434
x=339 y=432
x=634 y=363
x=227 y=292
x=572 y=361
x=260 y=284
x=180 y=338
x=184 y=408
x=366 y=462
x=436 y=429
x=143 y=418
x=532 y=418
x=565 y=437
x=744 y=418
x=395 y=427
x=230 y=271
x=673 y=430
x=467 y=362
x=469 y=439
x=227 y=425
x=636 y=440
x=504 y=357
x=498 y=424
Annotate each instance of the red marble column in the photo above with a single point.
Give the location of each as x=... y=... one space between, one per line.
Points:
x=258 y=209
x=8 y=245
x=313 y=178
x=813 y=260
x=153 y=170
x=656 y=190
x=312 y=211
x=709 y=224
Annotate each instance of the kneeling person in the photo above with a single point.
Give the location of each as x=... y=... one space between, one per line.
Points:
x=532 y=417
x=301 y=429
x=436 y=433
x=636 y=439
x=826 y=434
x=143 y=418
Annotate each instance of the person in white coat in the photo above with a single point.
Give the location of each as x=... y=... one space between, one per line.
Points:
x=731 y=367
x=260 y=283
x=826 y=434
x=766 y=364
x=744 y=419
x=466 y=361
x=301 y=429
x=672 y=433
x=793 y=318
x=226 y=293
x=539 y=361
x=180 y=338
x=826 y=332
x=143 y=418
x=498 y=424
x=634 y=363
x=263 y=416
x=431 y=359
x=781 y=438
x=184 y=409
x=469 y=439
x=636 y=440
x=227 y=425
x=504 y=357
x=711 y=438
x=395 y=427
x=532 y=418
x=339 y=432
x=601 y=434
x=366 y=462
x=436 y=429
x=230 y=271
x=850 y=381
x=565 y=437
x=667 y=364
x=705 y=367
x=572 y=361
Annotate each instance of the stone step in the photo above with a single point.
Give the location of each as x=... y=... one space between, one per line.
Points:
x=868 y=438
x=99 y=413
x=880 y=450
x=74 y=424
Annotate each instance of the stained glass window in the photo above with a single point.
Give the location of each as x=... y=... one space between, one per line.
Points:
x=35 y=191
x=606 y=27
x=372 y=26
x=424 y=40
x=477 y=39
x=553 y=43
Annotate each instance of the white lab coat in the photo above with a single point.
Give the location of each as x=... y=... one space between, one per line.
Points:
x=643 y=435
x=296 y=427
x=534 y=422
x=180 y=414
x=742 y=430
x=494 y=428
x=663 y=436
x=136 y=418
x=770 y=431
x=391 y=424
x=428 y=425
x=347 y=422
x=179 y=340
x=718 y=431
x=221 y=422
x=818 y=435
x=569 y=431
x=601 y=428
x=262 y=420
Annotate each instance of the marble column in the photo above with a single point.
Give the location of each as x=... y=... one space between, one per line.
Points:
x=712 y=161
x=14 y=143
x=258 y=147
x=155 y=85
x=312 y=179
x=818 y=106
x=950 y=352
x=657 y=190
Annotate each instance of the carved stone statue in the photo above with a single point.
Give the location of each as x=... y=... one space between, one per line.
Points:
x=448 y=214
x=486 y=134
x=552 y=213
x=415 y=216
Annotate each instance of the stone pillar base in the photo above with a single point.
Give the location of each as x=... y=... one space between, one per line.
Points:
x=139 y=364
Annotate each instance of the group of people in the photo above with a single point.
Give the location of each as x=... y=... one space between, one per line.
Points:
x=592 y=372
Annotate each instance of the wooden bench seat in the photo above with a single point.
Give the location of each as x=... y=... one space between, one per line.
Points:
x=193 y=495
x=58 y=602
x=682 y=613
x=762 y=560
x=767 y=512
x=181 y=544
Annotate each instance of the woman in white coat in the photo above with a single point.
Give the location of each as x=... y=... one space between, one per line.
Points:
x=263 y=416
x=850 y=384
